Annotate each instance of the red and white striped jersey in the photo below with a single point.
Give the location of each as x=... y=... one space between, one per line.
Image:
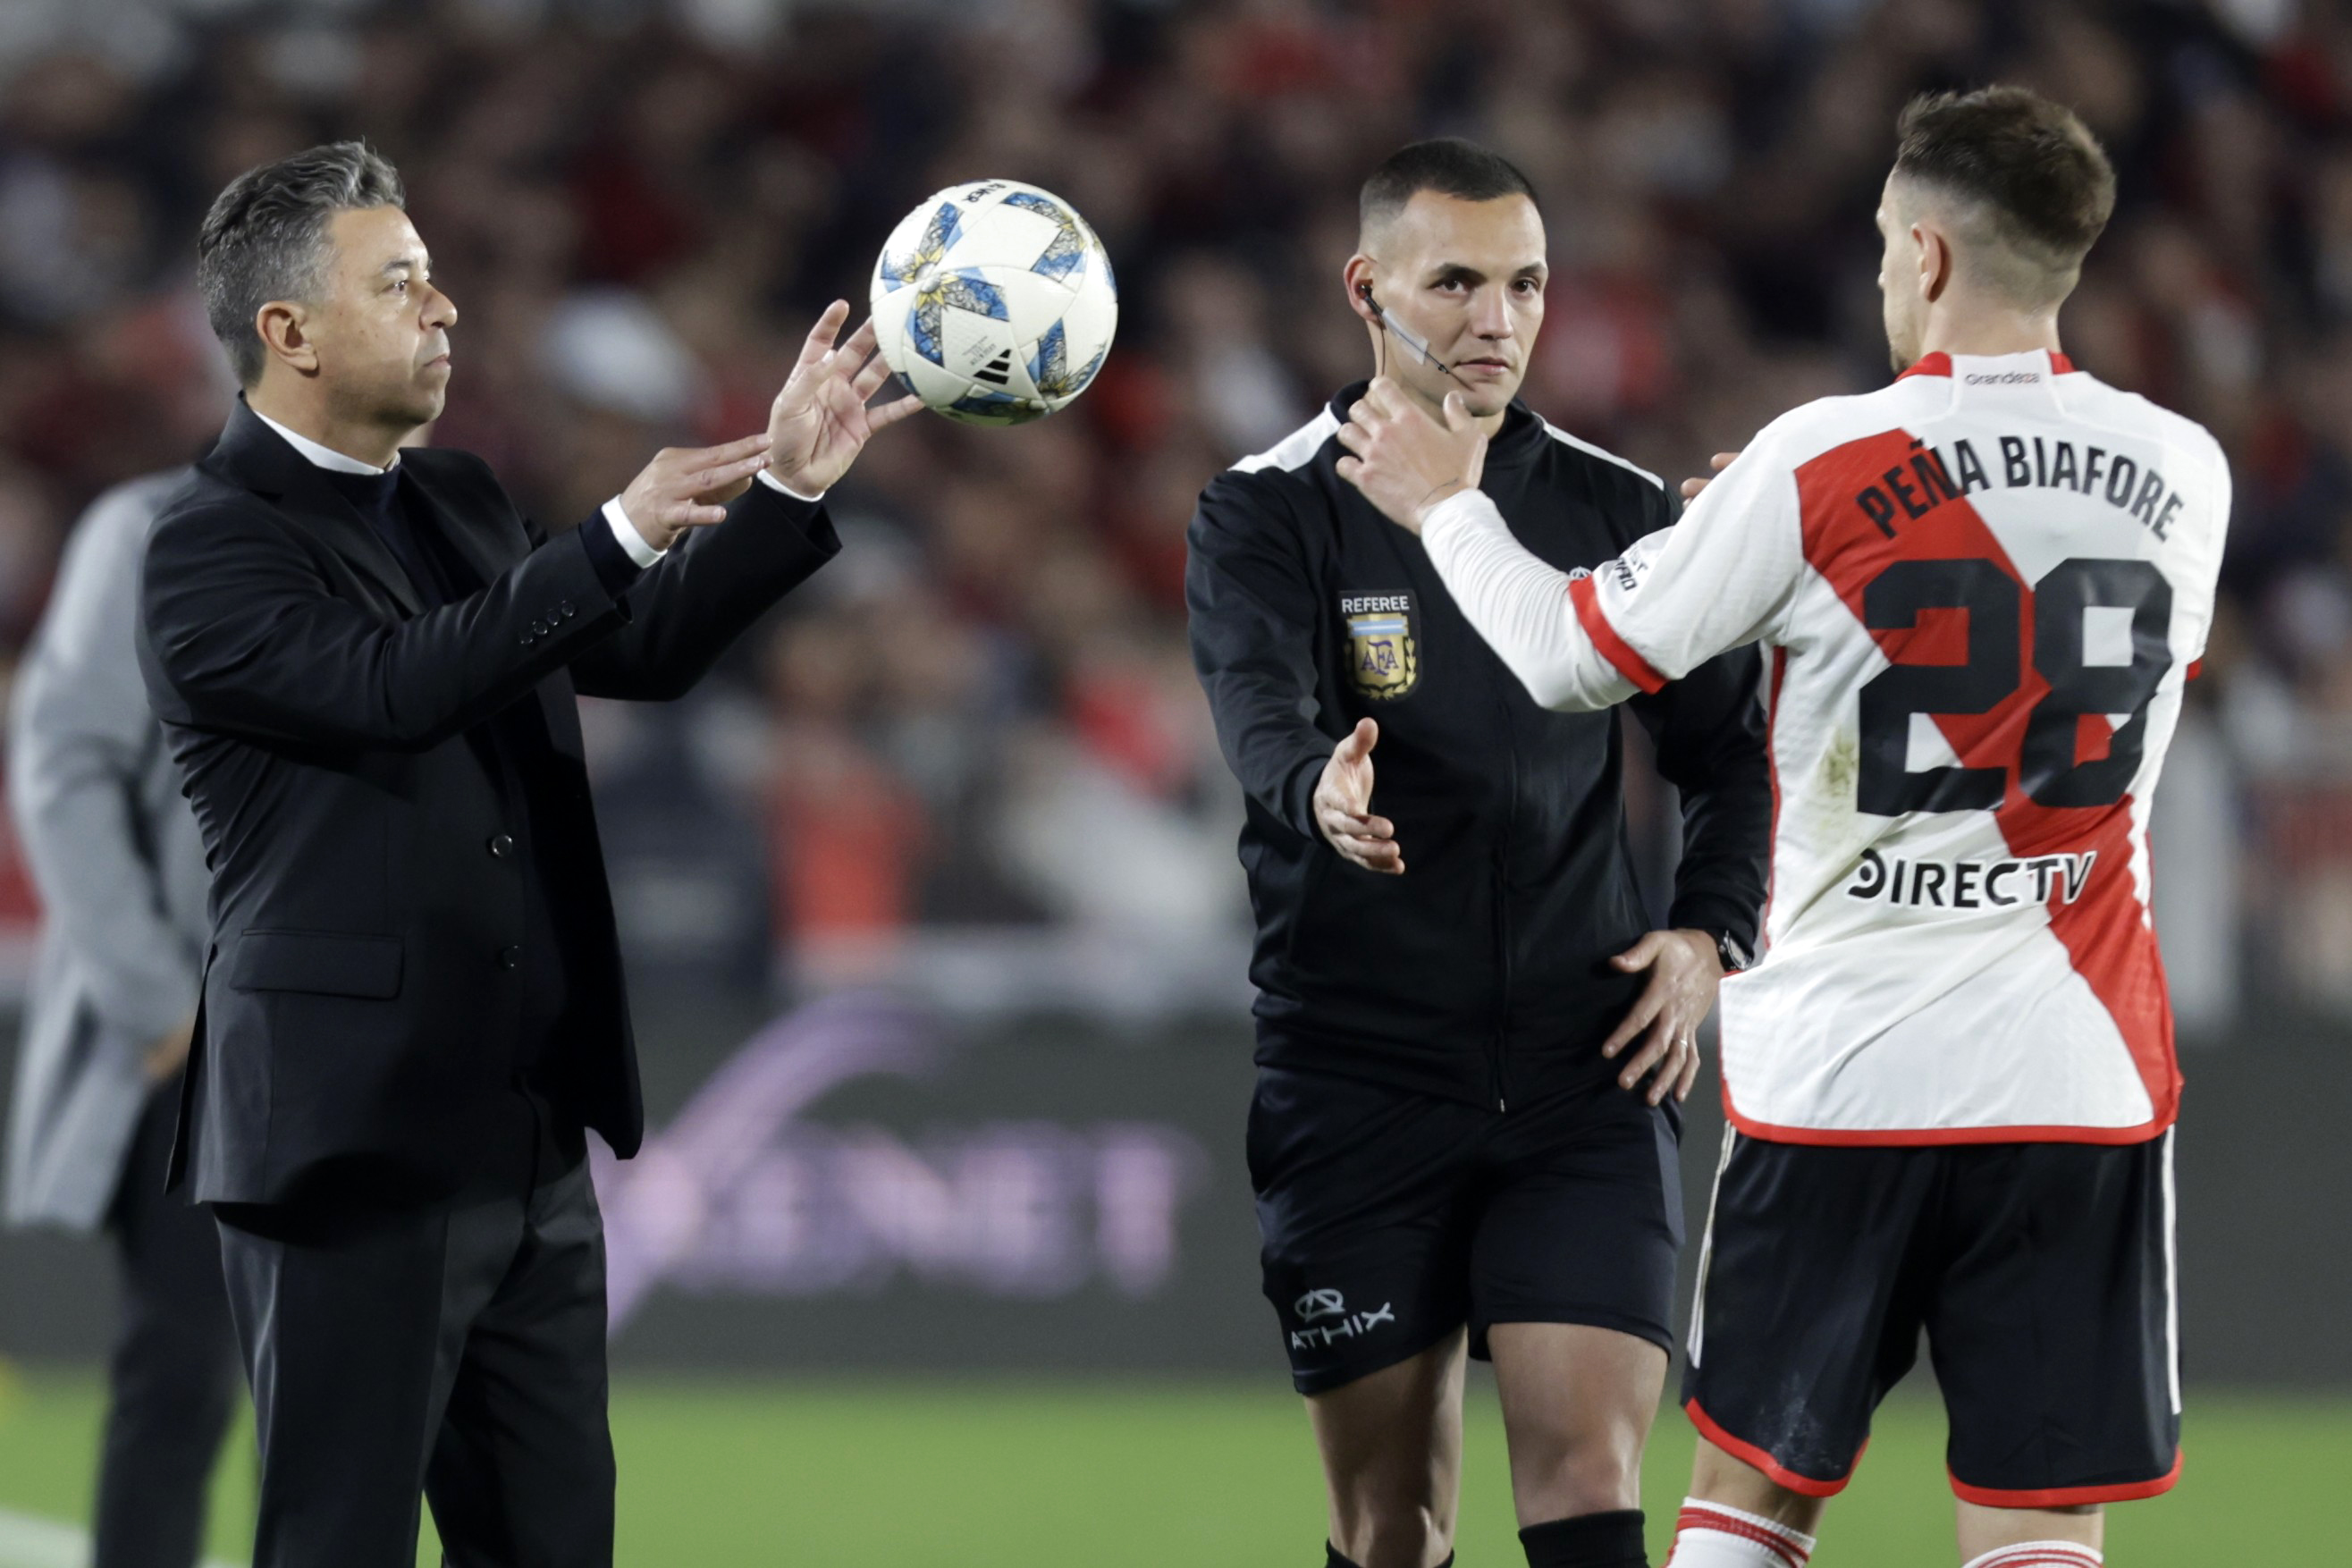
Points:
x=1982 y=589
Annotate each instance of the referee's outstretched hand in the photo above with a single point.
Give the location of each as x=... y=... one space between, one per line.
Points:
x=1685 y=971
x=1343 y=805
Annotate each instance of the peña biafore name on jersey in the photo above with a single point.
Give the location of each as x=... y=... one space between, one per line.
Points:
x=1932 y=478
x=1971 y=884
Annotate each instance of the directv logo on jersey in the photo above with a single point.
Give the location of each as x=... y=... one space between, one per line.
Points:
x=1971 y=884
x=1316 y=1306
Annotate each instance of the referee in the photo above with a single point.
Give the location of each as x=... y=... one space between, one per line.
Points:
x=1464 y=1138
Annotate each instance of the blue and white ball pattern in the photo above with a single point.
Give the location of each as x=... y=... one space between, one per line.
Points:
x=994 y=302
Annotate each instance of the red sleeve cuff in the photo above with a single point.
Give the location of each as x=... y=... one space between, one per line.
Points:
x=1614 y=649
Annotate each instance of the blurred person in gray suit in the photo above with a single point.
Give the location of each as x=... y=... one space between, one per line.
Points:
x=114 y=851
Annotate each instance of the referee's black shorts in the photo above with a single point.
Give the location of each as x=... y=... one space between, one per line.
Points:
x=2041 y=1274
x=1390 y=1218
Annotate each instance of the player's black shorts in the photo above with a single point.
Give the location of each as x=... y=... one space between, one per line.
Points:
x=2043 y=1274
x=1390 y=1218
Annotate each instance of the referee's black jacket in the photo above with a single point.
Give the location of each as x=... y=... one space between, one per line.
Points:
x=1481 y=973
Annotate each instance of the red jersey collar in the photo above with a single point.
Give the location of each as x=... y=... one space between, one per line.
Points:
x=1940 y=363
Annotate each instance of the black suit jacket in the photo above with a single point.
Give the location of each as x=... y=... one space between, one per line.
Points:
x=361 y=1011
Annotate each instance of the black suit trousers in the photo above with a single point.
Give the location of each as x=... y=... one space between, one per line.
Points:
x=455 y=1351
x=171 y=1382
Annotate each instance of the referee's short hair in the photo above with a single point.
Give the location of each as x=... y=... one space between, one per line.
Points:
x=1449 y=165
x=265 y=237
x=2033 y=185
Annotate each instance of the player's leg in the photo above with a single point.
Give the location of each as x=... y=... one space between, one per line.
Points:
x=1736 y=1516
x=2031 y=1537
x=2054 y=1337
x=1391 y=1447
x=1572 y=1279
x=1364 y=1220
x=1814 y=1277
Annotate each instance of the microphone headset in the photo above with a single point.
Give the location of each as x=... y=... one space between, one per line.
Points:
x=1402 y=335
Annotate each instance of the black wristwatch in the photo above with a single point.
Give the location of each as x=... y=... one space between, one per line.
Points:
x=1734 y=956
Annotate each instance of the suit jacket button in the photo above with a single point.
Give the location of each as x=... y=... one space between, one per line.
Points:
x=502 y=846
x=510 y=957
x=527 y=639
x=568 y=609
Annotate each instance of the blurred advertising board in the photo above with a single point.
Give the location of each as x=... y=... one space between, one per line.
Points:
x=865 y=1180
x=868 y=1182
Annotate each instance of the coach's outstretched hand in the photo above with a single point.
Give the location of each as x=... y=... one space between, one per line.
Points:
x=1343 y=805
x=1404 y=461
x=1685 y=972
x=820 y=421
x=689 y=487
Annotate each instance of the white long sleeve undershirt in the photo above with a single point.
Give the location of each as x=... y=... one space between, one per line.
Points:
x=1519 y=606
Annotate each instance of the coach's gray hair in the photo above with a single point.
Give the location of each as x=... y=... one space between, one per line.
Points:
x=265 y=237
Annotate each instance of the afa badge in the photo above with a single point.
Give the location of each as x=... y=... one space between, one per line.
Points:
x=1381 y=658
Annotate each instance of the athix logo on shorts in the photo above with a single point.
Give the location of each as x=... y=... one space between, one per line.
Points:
x=1316 y=1307
x=1320 y=1304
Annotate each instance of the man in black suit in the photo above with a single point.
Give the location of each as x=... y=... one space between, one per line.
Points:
x=365 y=660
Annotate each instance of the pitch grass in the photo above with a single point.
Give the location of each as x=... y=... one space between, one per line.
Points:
x=986 y=1474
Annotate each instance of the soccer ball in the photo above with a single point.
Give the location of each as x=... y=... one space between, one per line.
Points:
x=994 y=302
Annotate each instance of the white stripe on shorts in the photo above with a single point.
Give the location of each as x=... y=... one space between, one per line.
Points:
x=1707 y=1245
x=2171 y=1275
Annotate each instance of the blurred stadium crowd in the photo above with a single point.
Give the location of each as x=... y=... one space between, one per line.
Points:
x=983 y=718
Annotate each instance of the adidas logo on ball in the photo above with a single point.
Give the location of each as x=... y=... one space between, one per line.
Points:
x=994 y=302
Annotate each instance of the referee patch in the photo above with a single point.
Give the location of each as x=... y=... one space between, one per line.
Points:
x=1383 y=659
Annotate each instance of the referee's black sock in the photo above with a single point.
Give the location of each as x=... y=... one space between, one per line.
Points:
x=1331 y=1557
x=1612 y=1540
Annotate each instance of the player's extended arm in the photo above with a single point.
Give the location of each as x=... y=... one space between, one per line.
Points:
x=1673 y=600
x=1530 y=612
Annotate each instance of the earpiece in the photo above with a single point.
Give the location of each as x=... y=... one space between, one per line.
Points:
x=1364 y=293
